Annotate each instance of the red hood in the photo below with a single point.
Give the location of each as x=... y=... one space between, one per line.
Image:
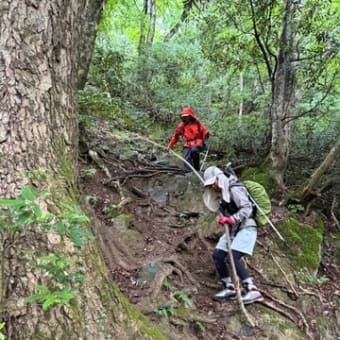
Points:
x=187 y=111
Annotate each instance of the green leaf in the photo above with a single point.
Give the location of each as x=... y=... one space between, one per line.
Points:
x=61 y=228
x=37 y=211
x=184 y=298
x=28 y=194
x=50 y=301
x=12 y=202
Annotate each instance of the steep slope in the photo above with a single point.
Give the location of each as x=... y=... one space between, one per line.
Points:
x=157 y=239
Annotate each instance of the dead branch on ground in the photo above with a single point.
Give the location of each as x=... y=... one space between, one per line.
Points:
x=305 y=325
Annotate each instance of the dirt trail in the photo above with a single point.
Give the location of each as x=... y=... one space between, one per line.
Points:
x=137 y=233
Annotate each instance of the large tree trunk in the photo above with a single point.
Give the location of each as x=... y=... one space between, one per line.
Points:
x=283 y=94
x=40 y=59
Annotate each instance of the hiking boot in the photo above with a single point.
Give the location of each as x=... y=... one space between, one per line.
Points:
x=227 y=293
x=252 y=295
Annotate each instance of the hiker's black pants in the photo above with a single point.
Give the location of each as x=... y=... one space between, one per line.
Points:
x=222 y=261
x=192 y=156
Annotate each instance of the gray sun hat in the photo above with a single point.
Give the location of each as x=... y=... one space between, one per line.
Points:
x=211 y=197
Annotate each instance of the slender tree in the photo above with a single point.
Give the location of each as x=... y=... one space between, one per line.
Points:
x=309 y=191
x=283 y=92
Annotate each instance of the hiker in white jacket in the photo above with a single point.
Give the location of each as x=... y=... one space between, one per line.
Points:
x=233 y=202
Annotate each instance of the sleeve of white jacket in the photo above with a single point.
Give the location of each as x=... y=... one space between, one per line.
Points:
x=240 y=197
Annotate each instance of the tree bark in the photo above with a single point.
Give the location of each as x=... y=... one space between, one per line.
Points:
x=283 y=94
x=147 y=27
x=42 y=59
x=240 y=110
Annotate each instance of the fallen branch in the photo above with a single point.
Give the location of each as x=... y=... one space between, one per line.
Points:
x=210 y=285
x=284 y=274
x=279 y=266
x=291 y=294
x=279 y=310
x=303 y=319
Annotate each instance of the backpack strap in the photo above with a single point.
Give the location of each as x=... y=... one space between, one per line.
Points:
x=241 y=184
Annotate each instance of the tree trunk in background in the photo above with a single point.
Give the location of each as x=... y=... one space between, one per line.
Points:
x=41 y=57
x=240 y=110
x=145 y=69
x=283 y=93
x=321 y=170
x=91 y=18
x=147 y=27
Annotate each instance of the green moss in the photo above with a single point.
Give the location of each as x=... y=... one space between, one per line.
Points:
x=133 y=235
x=148 y=330
x=260 y=175
x=182 y=312
x=113 y=300
x=304 y=242
x=123 y=220
x=67 y=169
x=111 y=211
x=276 y=328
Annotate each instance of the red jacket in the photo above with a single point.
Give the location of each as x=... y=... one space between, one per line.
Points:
x=194 y=133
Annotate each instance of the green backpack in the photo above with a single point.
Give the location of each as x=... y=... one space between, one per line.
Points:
x=259 y=199
x=257 y=195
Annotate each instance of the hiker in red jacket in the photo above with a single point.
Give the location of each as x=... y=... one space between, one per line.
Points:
x=195 y=134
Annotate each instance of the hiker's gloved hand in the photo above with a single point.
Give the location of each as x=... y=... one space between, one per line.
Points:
x=226 y=220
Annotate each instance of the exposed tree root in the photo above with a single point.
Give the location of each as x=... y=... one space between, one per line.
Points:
x=279 y=266
x=194 y=317
x=308 y=292
x=210 y=285
x=137 y=174
x=115 y=258
x=279 y=310
x=283 y=273
x=193 y=236
x=304 y=325
x=138 y=192
x=94 y=155
x=174 y=261
x=123 y=199
x=158 y=281
x=183 y=244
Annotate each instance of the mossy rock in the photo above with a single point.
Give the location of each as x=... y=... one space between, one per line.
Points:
x=304 y=243
x=276 y=328
x=208 y=226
